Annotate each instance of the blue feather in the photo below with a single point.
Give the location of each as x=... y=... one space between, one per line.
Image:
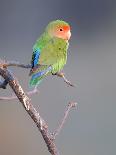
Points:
x=36 y=57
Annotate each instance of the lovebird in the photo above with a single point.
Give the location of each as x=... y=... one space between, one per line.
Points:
x=50 y=51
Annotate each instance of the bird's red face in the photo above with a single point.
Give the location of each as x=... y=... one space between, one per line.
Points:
x=62 y=32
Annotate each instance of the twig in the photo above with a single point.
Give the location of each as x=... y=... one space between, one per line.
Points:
x=14 y=63
x=39 y=121
x=60 y=74
x=68 y=108
x=13 y=96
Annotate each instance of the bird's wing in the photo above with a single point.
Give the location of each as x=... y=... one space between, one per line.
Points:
x=40 y=59
x=43 y=56
x=35 y=58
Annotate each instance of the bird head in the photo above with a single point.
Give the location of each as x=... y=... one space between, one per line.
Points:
x=59 y=29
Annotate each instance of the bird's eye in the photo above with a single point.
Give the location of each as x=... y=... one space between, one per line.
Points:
x=61 y=29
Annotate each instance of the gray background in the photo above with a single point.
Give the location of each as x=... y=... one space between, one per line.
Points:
x=90 y=130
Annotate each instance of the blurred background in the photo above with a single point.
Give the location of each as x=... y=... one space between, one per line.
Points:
x=89 y=130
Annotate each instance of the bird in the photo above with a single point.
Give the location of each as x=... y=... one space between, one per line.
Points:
x=50 y=52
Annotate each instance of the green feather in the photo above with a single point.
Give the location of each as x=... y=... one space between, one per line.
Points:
x=54 y=54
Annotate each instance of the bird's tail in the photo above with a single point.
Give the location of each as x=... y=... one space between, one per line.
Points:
x=39 y=75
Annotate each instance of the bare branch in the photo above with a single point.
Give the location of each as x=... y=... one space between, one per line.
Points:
x=39 y=121
x=60 y=74
x=68 y=108
x=25 y=100
x=13 y=96
x=14 y=63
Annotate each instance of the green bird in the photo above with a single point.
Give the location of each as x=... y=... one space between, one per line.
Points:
x=50 y=52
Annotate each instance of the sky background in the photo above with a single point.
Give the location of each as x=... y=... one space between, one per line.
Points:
x=89 y=130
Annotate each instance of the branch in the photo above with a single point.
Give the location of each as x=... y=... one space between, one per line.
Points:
x=15 y=64
x=26 y=102
x=61 y=74
x=18 y=64
x=39 y=121
x=68 y=108
x=13 y=96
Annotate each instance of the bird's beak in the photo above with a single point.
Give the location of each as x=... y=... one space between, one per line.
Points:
x=68 y=35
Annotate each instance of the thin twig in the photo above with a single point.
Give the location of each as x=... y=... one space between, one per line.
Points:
x=60 y=74
x=14 y=63
x=13 y=96
x=61 y=124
